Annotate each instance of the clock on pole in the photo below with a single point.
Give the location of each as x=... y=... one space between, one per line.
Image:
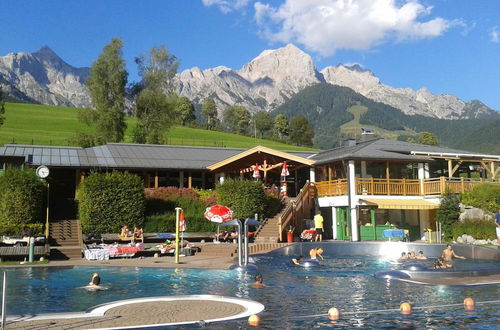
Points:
x=42 y=171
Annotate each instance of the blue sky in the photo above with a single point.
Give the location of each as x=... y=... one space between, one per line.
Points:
x=447 y=46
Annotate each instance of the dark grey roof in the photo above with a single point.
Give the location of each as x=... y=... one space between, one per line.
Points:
x=381 y=149
x=117 y=155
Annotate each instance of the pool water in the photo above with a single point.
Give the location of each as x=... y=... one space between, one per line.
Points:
x=294 y=299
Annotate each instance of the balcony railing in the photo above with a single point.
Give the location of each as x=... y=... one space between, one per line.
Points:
x=397 y=187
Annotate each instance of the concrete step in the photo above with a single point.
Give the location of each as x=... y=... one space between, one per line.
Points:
x=65 y=253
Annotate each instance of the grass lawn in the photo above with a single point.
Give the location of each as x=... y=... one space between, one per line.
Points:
x=50 y=125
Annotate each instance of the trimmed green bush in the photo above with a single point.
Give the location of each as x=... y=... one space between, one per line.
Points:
x=108 y=201
x=485 y=196
x=21 y=196
x=16 y=229
x=244 y=197
x=448 y=214
x=477 y=228
x=161 y=203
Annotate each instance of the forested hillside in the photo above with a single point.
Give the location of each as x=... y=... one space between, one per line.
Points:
x=327 y=107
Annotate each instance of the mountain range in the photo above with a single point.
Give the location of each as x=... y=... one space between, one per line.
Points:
x=265 y=83
x=284 y=80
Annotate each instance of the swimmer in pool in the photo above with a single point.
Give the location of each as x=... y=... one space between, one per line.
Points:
x=448 y=254
x=95 y=280
x=403 y=256
x=296 y=261
x=258 y=282
x=421 y=255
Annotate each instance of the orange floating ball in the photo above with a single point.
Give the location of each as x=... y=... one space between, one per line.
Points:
x=254 y=320
x=405 y=308
x=469 y=304
x=333 y=313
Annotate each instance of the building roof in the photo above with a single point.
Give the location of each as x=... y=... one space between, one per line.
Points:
x=246 y=155
x=125 y=156
x=385 y=149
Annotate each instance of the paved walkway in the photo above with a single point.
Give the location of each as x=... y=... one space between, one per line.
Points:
x=148 y=312
x=195 y=261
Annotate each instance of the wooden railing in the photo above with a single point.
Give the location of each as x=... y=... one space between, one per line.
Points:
x=397 y=187
x=332 y=188
x=299 y=209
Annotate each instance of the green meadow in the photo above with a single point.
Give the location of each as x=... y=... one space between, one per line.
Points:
x=51 y=125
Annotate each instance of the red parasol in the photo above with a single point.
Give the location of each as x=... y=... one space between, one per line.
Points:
x=182 y=222
x=218 y=213
x=284 y=170
x=256 y=173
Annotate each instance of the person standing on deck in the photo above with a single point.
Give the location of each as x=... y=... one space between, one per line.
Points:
x=318 y=225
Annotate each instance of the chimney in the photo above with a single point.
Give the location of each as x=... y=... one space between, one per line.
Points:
x=367 y=134
x=350 y=143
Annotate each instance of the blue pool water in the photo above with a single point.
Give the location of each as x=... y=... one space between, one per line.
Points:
x=294 y=296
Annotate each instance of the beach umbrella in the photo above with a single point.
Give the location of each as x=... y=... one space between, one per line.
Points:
x=284 y=171
x=256 y=173
x=218 y=213
x=182 y=226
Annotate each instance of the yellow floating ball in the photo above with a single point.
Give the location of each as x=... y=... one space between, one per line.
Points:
x=405 y=308
x=469 y=304
x=333 y=313
x=254 y=320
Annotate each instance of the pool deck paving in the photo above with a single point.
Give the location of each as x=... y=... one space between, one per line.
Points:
x=137 y=314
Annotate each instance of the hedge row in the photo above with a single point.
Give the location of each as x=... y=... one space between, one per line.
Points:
x=108 y=201
x=21 y=196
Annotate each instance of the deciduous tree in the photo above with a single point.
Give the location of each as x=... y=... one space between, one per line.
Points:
x=184 y=111
x=301 y=132
x=155 y=104
x=427 y=138
x=106 y=84
x=209 y=112
x=281 y=125
x=237 y=118
x=263 y=122
x=2 y=109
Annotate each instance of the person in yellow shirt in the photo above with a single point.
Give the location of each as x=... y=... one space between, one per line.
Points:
x=318 y=225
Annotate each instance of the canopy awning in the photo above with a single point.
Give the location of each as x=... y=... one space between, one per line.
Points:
x=402 y=204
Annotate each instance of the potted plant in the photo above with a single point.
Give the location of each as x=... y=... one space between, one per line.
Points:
x=289 y=234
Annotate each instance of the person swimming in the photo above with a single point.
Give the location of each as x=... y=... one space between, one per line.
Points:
x=258 y=281
x=296 y=261
x=95 y=280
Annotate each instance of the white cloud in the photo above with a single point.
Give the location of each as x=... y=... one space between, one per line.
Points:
x=226 y=6
x=327 y=25
x=494 y=34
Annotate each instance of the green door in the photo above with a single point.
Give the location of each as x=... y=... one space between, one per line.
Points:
x=343 y=224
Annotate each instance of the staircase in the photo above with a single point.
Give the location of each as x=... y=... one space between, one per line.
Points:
x=269 y=232
x=65 y=239
x=293 y=214
x=265 y=247
x=221 y=250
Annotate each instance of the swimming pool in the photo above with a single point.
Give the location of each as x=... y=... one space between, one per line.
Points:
x=295 y=297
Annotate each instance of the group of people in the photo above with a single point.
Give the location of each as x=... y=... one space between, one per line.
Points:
x=443 y=262
x=136 y=235
x=412 y=255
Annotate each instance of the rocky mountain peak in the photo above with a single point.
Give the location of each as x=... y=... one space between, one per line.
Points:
x=43 y=77
x=280 y=64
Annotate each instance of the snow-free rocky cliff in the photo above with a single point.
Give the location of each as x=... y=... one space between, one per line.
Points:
x=275 y=75
x=262 y=84
x=43 y=77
